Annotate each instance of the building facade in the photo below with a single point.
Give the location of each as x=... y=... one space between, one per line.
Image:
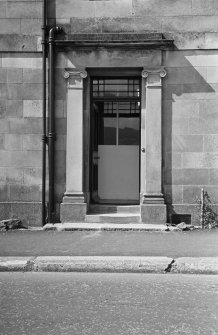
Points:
x=135 y=107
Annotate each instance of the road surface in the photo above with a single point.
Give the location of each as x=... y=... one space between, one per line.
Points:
x=108 y=304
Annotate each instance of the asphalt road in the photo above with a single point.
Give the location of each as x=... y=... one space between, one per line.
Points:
x=171 y=244
x=108 y=304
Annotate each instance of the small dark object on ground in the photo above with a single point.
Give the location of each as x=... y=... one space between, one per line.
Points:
x=11 y=224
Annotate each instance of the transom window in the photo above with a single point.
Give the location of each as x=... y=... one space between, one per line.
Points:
x=120 y=88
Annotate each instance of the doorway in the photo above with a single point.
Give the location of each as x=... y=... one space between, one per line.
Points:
x=115 y=140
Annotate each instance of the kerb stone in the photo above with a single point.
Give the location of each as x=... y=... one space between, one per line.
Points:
x=201 y=265
x=102 y=264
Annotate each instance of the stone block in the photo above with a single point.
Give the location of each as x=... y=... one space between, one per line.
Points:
x=61 y=126
x=73 y=212
x=18 y=43
x=60 y=174
x=32 y=108
x=213 y=176
x=26 y=61
x=32 y=126
x=3 y=9
x=162 y=8
x=172 y=160
x=195 y=176
x=180 y=126
x=3 y=126
x=186 y=75
x=21 y=158
x=204 y=160
x=32 y=76
x=31 y=26
x=4 y=193
x=3 y=76
x=2 y=141
x=152 y=213
x=59 y=108
x=131 y=24
x=89 y=25
x=4 y=210
x=212 y=74
x=14 y=76
x=187 y=143
x=27 y=9
x=16 y=126
x=32 y=176
x=3 y=171
x=32 y=91
x=13 y=142
x=14 y=108
x=14 y=175
x=28 y=212
x=191 y=194
x=182 y=108
x=211 y=143
x=113 y=8
x=173 y=194
x=9 y=26
x=206 y=125
x=195 y=58
x=60 y=143
x=2 y=108
x=201 y=7
x=24 y=192
x=32 y=142
x=15 y=91
x=201 y=23
x=3 y=91
x=202 y=58
x=211 y=41
x=77 y=8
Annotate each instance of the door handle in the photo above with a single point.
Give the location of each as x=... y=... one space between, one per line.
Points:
x=143 y=149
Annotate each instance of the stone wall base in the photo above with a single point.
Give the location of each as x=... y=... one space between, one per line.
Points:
x=73 y=212
x=154 y=213
x=28 y=212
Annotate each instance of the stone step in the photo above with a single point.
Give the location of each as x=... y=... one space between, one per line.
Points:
x=105 y=209
x=118 y=218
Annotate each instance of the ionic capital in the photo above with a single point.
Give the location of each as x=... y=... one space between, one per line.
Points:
x=154 y=75
x=75 y=77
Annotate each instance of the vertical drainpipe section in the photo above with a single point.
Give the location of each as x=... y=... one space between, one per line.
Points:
x=51 y=122
x=44 y=137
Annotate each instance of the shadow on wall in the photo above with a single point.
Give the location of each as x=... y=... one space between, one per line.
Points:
x=188 y=119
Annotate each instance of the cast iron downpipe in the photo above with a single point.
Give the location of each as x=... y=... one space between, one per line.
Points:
x=44 y=137
x=51 y=123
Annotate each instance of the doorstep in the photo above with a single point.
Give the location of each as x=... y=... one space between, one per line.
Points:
x=106 y=227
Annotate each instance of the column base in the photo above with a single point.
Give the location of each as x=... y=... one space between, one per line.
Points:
x=154 y=213
x=152 y=198
x=73 y=208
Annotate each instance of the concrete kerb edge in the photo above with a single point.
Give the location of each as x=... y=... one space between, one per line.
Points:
x=111 y=264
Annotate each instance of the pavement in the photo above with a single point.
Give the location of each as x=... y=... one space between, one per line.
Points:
x=193 y=252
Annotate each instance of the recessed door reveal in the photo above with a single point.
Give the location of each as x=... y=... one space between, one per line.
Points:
x=115 y=140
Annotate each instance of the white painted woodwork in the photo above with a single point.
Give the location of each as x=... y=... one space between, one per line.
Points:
x=118 y=172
